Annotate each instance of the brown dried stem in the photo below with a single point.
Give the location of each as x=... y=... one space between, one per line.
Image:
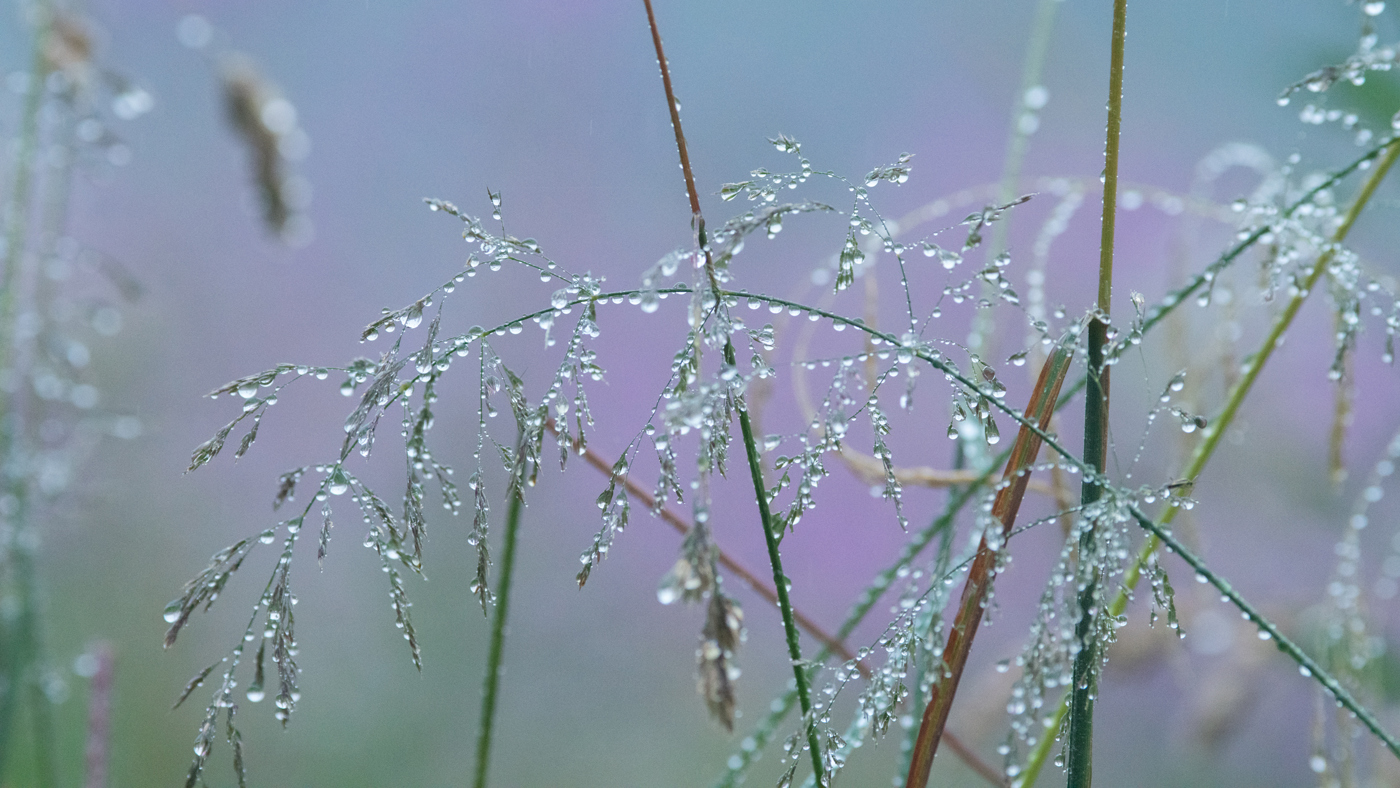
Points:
x=979 y=579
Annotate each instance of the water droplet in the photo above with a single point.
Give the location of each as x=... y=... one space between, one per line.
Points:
x=339 y=482
x=172 y=611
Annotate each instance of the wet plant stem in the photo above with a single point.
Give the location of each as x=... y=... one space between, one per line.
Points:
x=1210 y=437
x=1081 y=718
x=942 y=526
x=780 y=584
x=979 y=577
x=498 y=630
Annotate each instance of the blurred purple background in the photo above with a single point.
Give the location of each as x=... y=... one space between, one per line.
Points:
x=558 y=106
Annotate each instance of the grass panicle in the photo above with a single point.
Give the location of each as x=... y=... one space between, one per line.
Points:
x=857 y=367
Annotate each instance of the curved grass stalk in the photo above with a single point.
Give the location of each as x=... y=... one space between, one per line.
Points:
x=1216 y=429
x=498 y=625
x=1096 y=403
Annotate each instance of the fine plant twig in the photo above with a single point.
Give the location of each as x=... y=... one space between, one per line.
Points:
x=979 y=579
x=498 y=622
x=1216 y=428
x=1081 y=718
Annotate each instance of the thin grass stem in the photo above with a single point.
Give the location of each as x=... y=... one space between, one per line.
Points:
x=780 y=581
x=1270 y=631
x=498 y=625
x=20 y=644
x=1017 y=141
x=1096 y=406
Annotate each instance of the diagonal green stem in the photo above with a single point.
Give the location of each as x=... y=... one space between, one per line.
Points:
x=1216 y=429
x=1081 y=718
x=780 y=582
x=1270 y=631
x=498 y=626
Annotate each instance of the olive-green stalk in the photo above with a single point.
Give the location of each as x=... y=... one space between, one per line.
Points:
x=750 y=444
x=498 y=628
x=780 y=583
x=1081 y=720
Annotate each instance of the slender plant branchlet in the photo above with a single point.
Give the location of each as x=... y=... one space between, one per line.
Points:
x=494 y=659
x=780 y=580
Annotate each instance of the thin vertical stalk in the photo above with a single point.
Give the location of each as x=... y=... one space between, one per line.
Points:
x=1019 y=138
x=1081 y=720
x=780 y=583
x=1215 y=430
x=19 y=642
x=498 y=626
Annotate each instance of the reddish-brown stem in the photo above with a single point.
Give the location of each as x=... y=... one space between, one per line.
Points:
x=980 y=575
x=675 y=115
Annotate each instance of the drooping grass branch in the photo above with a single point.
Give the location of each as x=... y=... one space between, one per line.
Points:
x=492 y=682
x=979 y=580
x=1217 y=427
x=1096 y=406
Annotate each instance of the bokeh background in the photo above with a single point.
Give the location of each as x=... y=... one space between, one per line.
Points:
x=558 y=106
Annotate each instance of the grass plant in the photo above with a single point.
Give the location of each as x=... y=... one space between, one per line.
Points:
x=50 y=317
x=726 y=367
